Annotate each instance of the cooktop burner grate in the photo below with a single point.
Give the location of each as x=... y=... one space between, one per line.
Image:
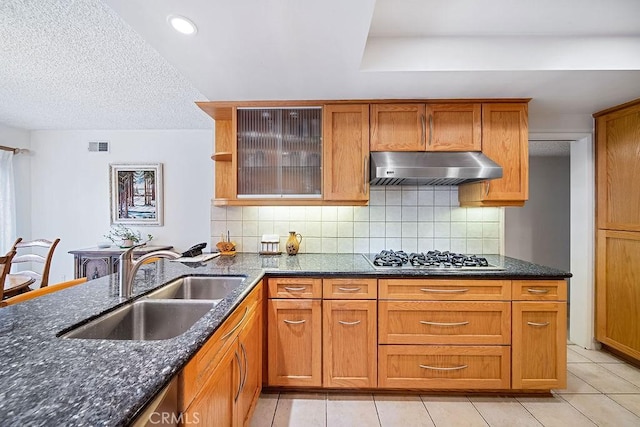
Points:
x=431 y=259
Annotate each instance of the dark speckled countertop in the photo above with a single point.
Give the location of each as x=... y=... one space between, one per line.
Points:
x=46 y=380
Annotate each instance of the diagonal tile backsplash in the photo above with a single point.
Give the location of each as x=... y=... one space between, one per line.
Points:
x=410 y=218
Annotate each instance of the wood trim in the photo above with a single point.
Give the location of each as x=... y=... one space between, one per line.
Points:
x=222 y=110
x=617 y=108
x=287 y=202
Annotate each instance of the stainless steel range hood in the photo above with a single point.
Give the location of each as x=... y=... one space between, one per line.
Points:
x=431 y=168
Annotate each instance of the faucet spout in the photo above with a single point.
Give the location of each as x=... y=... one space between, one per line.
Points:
x=128 y=267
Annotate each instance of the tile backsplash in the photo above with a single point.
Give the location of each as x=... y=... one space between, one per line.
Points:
x=410 y=218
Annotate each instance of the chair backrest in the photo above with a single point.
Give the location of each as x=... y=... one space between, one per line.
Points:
x=5 y=266
x=43 y=245
x=43 y=291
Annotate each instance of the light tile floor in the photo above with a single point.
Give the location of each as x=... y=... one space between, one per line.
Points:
x=602 y=390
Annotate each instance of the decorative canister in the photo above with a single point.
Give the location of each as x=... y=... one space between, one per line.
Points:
x=293 y=243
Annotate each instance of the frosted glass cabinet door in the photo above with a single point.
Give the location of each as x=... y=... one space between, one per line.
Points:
x=279 y=152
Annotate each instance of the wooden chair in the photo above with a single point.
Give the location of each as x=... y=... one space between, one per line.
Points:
x=41 y=244
x=5 y=266
x=43 y=291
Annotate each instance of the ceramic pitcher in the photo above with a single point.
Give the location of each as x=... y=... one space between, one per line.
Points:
x=293 y=243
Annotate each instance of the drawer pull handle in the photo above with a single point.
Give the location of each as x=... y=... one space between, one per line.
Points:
x=436 y=368
x=348 y=323
x=294 y=322
x=228 y=334
x=445 y=291
x=349 y=289
x=290 y=289
x=424 y=322
x=538 y=324
x=537 y=291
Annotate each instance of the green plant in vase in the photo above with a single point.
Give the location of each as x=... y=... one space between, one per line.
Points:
x=125 y=237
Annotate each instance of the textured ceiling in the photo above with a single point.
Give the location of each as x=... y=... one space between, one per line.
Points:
x=77 y=65
x=548 y=148
x=116 y=64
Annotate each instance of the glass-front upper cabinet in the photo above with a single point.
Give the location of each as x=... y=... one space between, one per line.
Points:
x=279 y=152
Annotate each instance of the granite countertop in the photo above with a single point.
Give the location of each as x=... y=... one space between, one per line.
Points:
x=46 y=380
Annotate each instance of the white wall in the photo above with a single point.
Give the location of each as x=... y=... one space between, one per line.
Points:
x=539 y=232
x=409 y=218
x=19 y=138
x=70 y=186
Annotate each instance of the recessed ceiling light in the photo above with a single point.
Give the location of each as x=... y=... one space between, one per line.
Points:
x=182 y=24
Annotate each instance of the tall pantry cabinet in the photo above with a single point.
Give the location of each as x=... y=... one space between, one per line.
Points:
x=618 y=228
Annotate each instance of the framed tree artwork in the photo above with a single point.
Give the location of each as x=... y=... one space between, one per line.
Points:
x=136 y=193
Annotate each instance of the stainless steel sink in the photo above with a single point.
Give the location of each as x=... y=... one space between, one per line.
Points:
x=213 y=288
x=144 y=320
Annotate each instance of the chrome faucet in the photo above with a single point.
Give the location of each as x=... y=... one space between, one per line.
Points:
x=128 y=267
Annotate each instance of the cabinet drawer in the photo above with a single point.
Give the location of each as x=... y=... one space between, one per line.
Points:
x=200 y=367
x=440 y=367
x=539 y=290
x=295 y=287
x=349 y=288
x=444 y=290
x=433 y=322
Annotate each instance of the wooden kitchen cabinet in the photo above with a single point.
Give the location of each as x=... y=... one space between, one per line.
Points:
x=349 y=343
x=221 y=384
x=618 y=168
x=539 y=345
x=346 y=152
x=618 y=290
x=295 y=342
x=505 y=141
x=430 y=127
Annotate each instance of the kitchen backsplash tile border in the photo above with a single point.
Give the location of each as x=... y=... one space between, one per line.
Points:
x=410 y=218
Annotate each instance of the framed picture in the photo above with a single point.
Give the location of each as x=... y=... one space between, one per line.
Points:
x=136 y=193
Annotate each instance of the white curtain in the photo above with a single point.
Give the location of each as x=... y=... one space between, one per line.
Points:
x=7 y=202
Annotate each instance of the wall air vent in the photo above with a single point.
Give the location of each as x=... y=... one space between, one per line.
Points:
x=99 y=146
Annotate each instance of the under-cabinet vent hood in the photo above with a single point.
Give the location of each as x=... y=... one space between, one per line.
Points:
x=431 y=168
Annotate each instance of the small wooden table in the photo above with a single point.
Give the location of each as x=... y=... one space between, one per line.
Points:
x=97 y=262
x=15 y=284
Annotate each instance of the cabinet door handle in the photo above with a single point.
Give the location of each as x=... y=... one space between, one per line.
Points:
x=290 y=289
x=228 y=334
x=424 y=128
x=293 y=322
x=425 y=322
x=235 y=399
x=430 y=128
x=486 y=193
x=246 y=366
x=538 y=324
x=342 y=322
x=436 y=368
x=537 y=291
x=445 y=291
x=365 y=167
x=349 y=289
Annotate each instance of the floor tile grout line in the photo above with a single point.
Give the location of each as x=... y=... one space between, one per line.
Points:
x=530 y=413
x=605 y=395
x=373 y=397
x=613 y=373
x=478 y=411
x=275 y=409
x=427 y=409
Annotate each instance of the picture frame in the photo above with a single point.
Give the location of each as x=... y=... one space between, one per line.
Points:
x=136 y=192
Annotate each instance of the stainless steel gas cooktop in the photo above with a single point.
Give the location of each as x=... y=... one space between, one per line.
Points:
x=432 y=260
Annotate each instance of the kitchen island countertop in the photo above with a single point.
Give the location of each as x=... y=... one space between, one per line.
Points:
x=47 y=380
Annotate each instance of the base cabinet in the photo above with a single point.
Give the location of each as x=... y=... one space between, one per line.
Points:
x=349 y=343
x=295 y=340
x=539 y=345
x=220 y=386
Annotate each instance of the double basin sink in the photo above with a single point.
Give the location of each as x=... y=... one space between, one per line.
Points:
x=162 y=314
